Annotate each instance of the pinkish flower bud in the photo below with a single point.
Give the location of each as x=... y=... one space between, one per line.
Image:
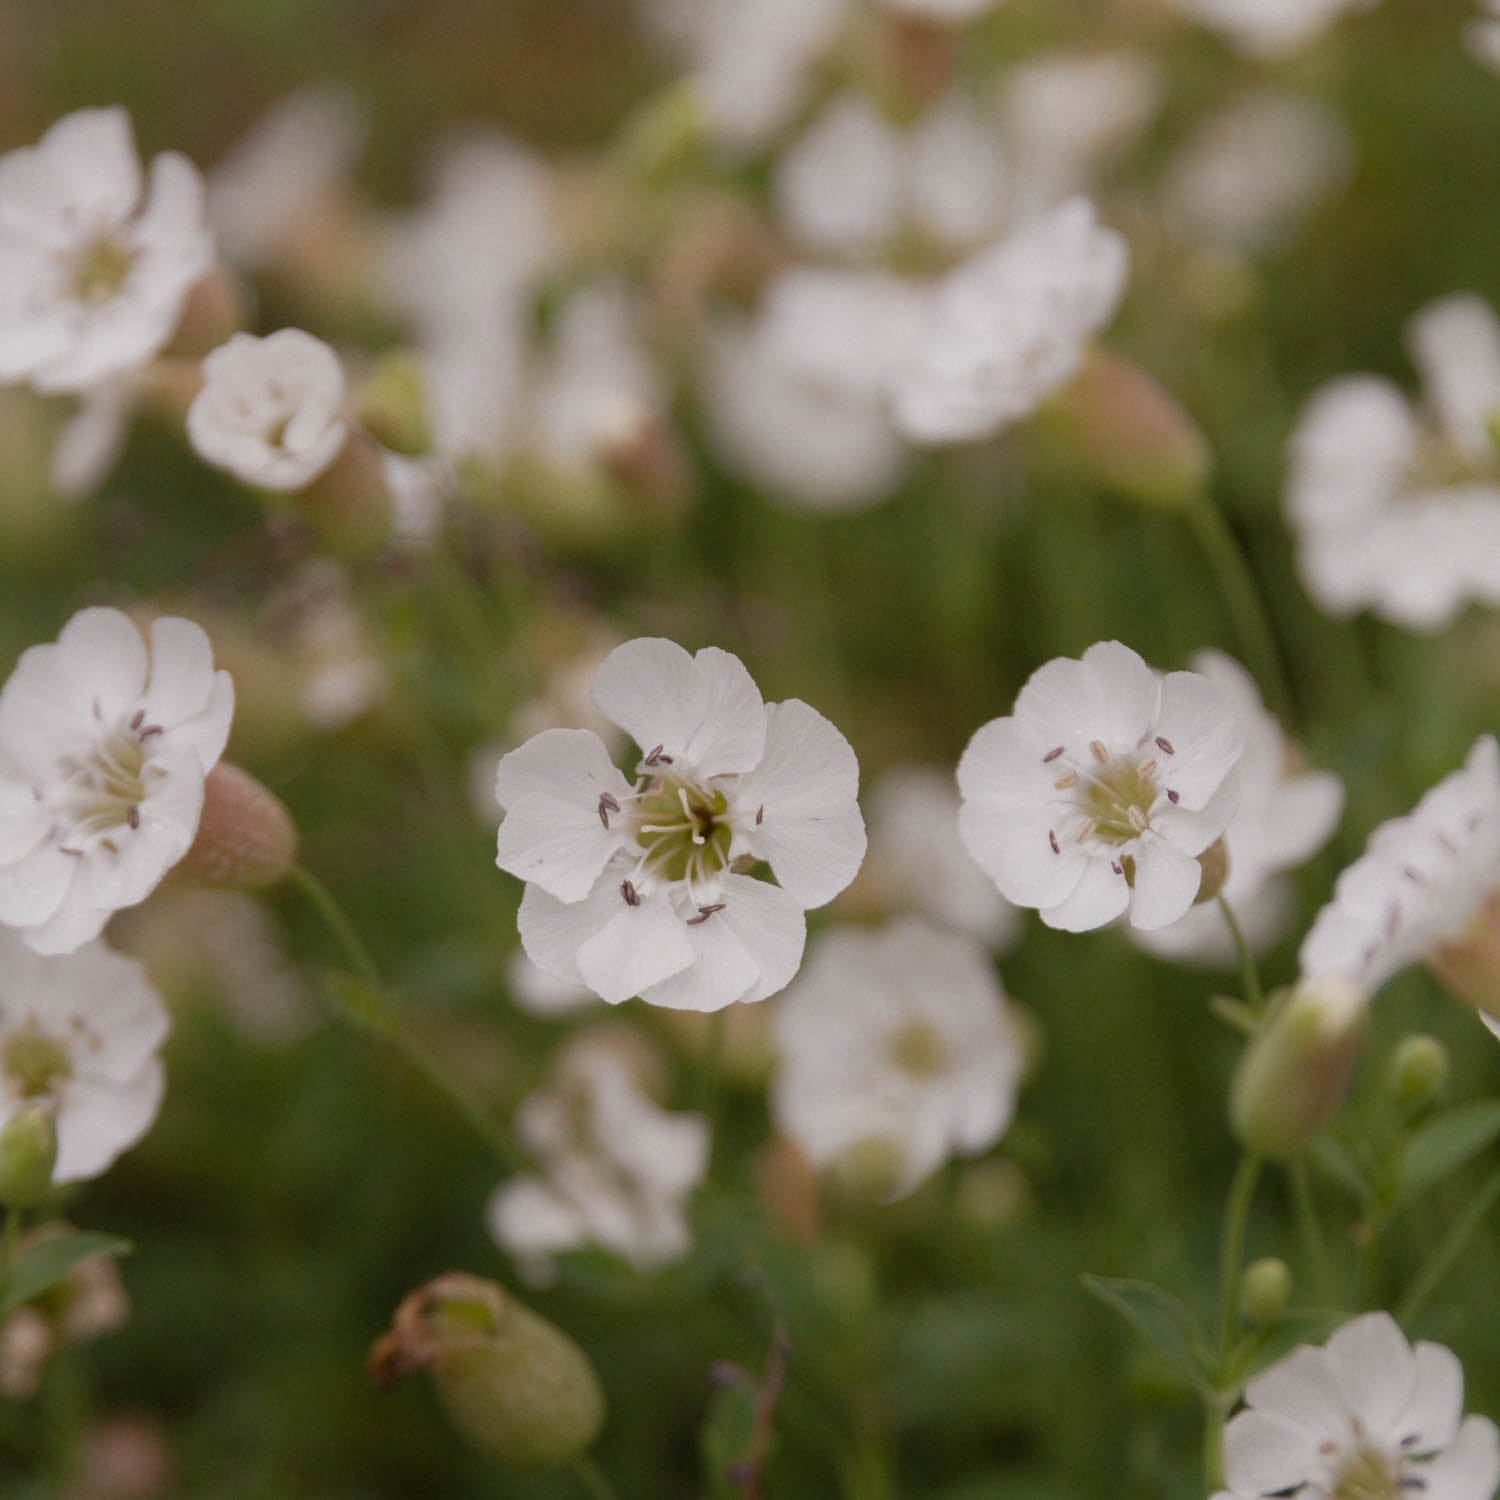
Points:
x=246 y=837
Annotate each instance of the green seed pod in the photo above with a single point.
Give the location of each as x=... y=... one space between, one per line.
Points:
x=28 y=1152
x=510 y=1381
x=1265 y=1290
x=1418 y=1073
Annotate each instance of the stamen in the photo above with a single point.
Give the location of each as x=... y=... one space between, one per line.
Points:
x=1051 y=756
x=1137 y=818
x=628 y=891
x=138 y=718
x=654 y=757
x=1116 y=868
x=1146 y=768
x=607 y=805
x=1098 y=750
x=704 y=913
x=1164 y=745
x=1173 y=797
x=1067 y=779
x=1413 y=875
x=149 y=730
x=1052 y=839
x=133 y=817
x=760 y=813
x=1086 y=830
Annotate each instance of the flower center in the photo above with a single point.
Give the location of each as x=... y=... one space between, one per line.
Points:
x=103 y=788
x=1367 y=1475
x=683 y=830
x=918 y=1051
x=1118 y=799
x=100 y=269
x=34 y=1062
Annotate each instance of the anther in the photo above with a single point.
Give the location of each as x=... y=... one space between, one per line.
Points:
x=628 y=891
x=1137 y=818
x=138 y=718
x=1173 y=797
x=1099 y=752
x=1086 y=830
x=655 y=757
x=704 y=913
x=1114 y=865
x=1412 y=1482
x=1164 y=745
x=1051 y=756
x=1328 y=1448
x=1067 y=779
x=133 y=817
x=76 y=853
x=760 y=813
x=1413 y=875
x=607 y=805
x=1052 y=839
x=1146 y=768
x=149 y=730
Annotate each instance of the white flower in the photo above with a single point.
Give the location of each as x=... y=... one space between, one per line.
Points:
x=93 y=271
x=1393 y=512
x=1482 y=35
x=951 y=11
x=617 y=1169
x=1253 y=172
x=1099 y=792
x=104 y=747
x=915 y=863
x=80 y=1032
x=635 y=889
x=1286 y=813
x=899 y=1039
x=798 y=401
x=1010 y=326
x=1421 y=881
x=271 y=409
x=1270 y=28
x=1364 y=1415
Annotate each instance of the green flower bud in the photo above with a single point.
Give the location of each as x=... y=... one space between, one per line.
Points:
x=1295 y=1072
x=28 y=1152
x=1265 y=1290
x=1418 y=1073
x=392 y=404
x=510 y=1381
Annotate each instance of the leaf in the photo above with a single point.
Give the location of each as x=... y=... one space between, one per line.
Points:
x=358 y=1003
x=1165 y=1321
x=46 y=1263
x=1335 y=1163
x=1445 y=1143
x=728 y=1433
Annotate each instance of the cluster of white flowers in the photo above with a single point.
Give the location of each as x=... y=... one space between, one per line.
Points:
x=1394 y=512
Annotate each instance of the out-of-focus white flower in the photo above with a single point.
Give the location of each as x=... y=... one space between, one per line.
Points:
x=1366 y=1414
x=1422 y=880
x=799 y=400
x=916 y=862
x=1395 y=513
x=537 y=993
x=104 y=747
x=302 y=148
x=271 y=409
x=1285 y=815
x=94 y=263
x=80 y=1032
x=416 y=488
x=1253 y=172
x=897 y=1040
x=1099 y=792
x=1010 y=326
x=854 y=181
x=632 y=888
x=340 y=673
x=953 y=12
x=616 y=1169
x=1269 y=28
x=1482 y=35
x=93 y=438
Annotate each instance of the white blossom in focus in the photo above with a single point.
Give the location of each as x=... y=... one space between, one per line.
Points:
x=270 y=409
x=798 y=400
x=1250 y=175
x=1399 y=511
x=616 y=1169
x=1269 y=28
x=1365 y=1415
x=1010 y=326
x=636 y=888
x=1098 y=794
x=94 y=262
x=1286 y=813
x=897 y=1040
x=1421 y=881
x=105 y=742
x=80 y=1032
x=917 y=863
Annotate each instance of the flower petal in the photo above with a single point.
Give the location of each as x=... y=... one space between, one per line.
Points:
x=1166 y=883
x=1301 y=1389
x=1264 y=1454
x=1099 y=897
x=1469 y=1468
x=1437 y=1400
x=638 y=946
x=1200 y=724
x=1373 y=1365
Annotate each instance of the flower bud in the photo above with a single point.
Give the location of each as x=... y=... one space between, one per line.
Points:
x=28 y=1152
x=1129 y=434
x=1265 y=1290
x=392 y=404
x=246 y=838
x=510 y=1381
x=1295 y=1071
x=1418 y=1073
x=1214 y=862
x=1469 y=965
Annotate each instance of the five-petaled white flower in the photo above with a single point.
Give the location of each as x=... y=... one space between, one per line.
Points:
x=1421 y=882
x=1099 y=792
x=639 y=889
x=617 y=1168
x=271 y=409
x=1010 y=326
x=896 y=1052
x=1364 y=1417
x=104 y=747
x=93 y=271
x=80 y=1033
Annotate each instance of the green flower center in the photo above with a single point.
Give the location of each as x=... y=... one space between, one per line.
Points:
x=100 y=270
x=682 y=830
x=918 y=1051
x=1367 y=1475
x=34 y=1062
x=1119 y=798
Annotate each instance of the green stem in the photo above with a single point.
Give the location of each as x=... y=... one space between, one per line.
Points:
x=1242 y=598
x=592 y=1478
x=8 y=1238
x=1215 y=1410
x=1442 y=1260
x=343 y=931
x=1232 y=1250
x=1314 y=1246
x=1249 y=975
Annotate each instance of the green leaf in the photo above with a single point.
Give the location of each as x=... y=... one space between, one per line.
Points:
x=358 y=1003
x=1445 y=1143
x=1165 y=1321
x=727 y=1435
x=46 y=1263
x=1335 y=1163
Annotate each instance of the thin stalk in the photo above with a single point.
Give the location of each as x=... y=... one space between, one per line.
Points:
x=8 y=1242
x=1314 y=1246
x=1249 y=974
x=1443 y=1258
x=1232 y=1250
x=339 y=925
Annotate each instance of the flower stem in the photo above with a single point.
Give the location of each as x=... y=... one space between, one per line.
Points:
x=1314 y=1246
x=343 y=931
x=1242 y=598
x=1441 y=1262
x=1232 y=1249
x=592 y=1478
x=8 y=1242
x=1249 y=974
